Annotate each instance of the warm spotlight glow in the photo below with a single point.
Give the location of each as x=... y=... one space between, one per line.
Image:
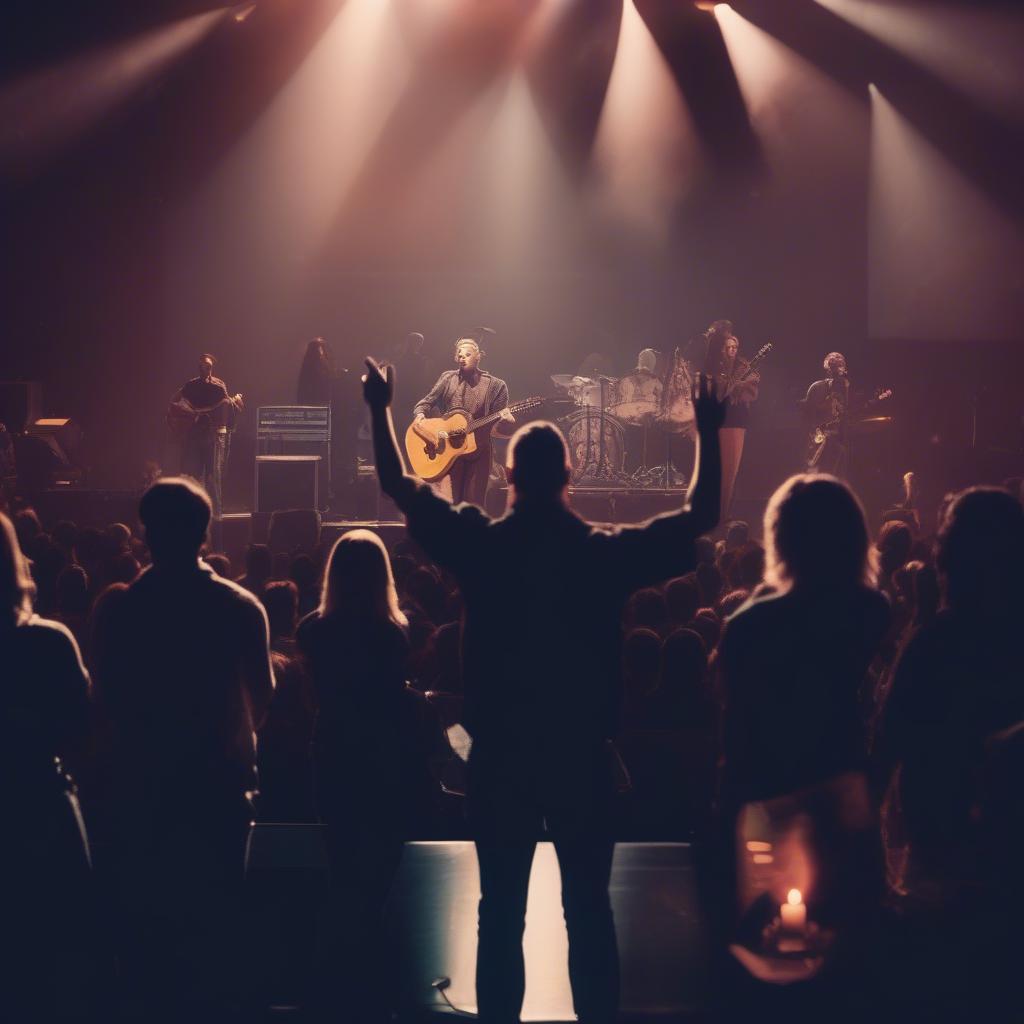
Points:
x=976 y=50
x=49 y=109
x=757 y=846
x=242 y=11
x=801 y=116
x=794 y=897
x=305 y=151
x=943 y=259
x=646 y=153
x=523 y=181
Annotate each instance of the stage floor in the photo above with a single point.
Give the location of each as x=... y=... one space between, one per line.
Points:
x=433 y=916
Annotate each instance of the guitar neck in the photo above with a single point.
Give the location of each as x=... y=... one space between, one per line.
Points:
x=494 y=416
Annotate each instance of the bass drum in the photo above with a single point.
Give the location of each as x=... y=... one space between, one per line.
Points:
x=583 y=432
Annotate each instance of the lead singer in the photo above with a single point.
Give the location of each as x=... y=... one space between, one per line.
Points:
x=544 y=593
x=477 y=393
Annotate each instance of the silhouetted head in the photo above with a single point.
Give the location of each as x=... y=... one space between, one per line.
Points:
x=736 y=535
x=748 y=566
x=206 y=365
x=175 y=513
x=538 y=464
x=358 y=581
x=72 y=591
x=816 y=535
x=895 y=540
x=684 y=658
x=16 y=587
x=683 y=598
x=281 y=601
x=648 y=609
x=259 y=563
x=980 y=550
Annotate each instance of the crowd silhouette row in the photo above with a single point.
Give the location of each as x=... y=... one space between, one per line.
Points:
x=645 y=683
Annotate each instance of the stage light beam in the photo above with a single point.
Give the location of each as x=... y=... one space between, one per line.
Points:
x=943 y=259
x=801 y=116
x=49 y=109
x=646 y=154
x=975 y=50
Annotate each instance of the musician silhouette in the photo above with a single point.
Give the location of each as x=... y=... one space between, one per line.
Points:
x=544 y=592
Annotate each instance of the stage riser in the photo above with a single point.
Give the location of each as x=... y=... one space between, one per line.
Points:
x=432 y=924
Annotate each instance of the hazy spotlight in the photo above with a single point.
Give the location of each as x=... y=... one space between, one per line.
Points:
x=646 y=153
x=48 y=109
x=526 y=200
x=267 y=205
x=944 y=262
x=801 y=115
x=976 y=50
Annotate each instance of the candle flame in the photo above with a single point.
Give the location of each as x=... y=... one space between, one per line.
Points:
x=794 y=897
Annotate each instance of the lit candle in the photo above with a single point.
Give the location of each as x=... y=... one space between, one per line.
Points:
x=794 y=913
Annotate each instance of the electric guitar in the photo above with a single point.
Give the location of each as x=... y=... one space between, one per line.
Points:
x=435 y=445
x=833 y=426
x=749 y=370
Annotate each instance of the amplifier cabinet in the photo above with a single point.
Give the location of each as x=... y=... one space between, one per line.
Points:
x=286 y=482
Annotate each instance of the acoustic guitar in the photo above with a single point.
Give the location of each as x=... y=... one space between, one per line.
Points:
x=183 y=417
x=435 y=445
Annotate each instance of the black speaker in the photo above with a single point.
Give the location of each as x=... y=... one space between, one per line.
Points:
x=286 y=482
x=21 y=403
x=294 y=529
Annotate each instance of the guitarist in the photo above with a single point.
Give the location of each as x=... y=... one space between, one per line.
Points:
x=735 y=384
x=477 y=393
x=828 y=407
x=205 y=413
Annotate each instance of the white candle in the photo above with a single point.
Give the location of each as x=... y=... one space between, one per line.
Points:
x=794 y=913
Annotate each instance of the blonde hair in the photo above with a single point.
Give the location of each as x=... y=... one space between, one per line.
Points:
x=358 y=580
x=468 y=341
x=815 y=533
x=16 y=587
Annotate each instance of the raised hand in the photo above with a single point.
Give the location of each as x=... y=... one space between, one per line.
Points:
x=708 y=408
x=378 y=384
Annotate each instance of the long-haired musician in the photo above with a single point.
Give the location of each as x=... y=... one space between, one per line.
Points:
x=735 y=381
x=477 y=393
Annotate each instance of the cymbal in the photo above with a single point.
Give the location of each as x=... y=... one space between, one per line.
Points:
x=568 y=380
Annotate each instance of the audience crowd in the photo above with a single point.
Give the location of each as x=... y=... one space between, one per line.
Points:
x=774 y=667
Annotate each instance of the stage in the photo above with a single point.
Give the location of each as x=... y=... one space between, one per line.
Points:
x=432 y=925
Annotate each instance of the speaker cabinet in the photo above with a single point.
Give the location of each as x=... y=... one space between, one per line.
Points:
x=287 y=482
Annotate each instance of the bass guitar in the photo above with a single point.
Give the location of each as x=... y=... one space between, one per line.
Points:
x=435 y=445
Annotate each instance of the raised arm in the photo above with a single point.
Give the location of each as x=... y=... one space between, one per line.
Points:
x=706 y=484
x=379 y=390
x=450 y=535
x=664 y=546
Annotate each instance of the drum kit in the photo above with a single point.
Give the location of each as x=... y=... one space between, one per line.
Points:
x=604 y=408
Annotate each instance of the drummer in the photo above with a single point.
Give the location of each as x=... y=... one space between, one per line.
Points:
x=649 y=361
